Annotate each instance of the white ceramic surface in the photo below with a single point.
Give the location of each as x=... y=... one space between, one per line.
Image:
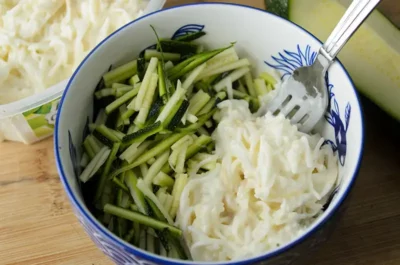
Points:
x=267 y=40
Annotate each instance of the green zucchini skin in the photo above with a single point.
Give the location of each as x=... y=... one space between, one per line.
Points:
x=142 y=134
x=176 y=119
x=191 y=36
x=278 y=7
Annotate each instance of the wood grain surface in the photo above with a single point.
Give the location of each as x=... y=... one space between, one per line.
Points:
x=37 y=225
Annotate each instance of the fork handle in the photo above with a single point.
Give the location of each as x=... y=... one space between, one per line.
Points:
x=354 y=16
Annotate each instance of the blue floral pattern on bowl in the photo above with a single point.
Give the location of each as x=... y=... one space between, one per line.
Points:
x=187 y=29
x=182 y=31
x=285 y=62
x=116 y=253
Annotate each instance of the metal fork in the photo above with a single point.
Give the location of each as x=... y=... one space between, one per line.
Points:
x=303 y=97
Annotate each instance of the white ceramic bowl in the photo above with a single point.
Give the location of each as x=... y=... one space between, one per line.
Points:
x=269 y=41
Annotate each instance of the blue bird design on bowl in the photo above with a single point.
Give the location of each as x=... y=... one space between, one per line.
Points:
x=182 y=31
x=187 y=29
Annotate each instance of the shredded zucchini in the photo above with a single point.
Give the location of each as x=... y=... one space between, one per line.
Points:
x=154 y=119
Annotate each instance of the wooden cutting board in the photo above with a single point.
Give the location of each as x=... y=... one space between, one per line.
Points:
x=37 y=225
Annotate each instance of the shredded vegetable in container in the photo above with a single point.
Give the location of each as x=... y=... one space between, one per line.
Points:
x=42 y=43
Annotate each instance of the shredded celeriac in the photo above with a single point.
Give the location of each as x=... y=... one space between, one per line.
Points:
x=43 y=41
x=269 y=185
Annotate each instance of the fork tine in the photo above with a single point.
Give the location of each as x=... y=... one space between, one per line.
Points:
x=310 y=123
x=276 y=103
x=299 y=114
x=289 y=107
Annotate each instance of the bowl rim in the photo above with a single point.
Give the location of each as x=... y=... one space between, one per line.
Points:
x=162 y=260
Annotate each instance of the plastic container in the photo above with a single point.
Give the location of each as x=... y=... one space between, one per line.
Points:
x=32 y=119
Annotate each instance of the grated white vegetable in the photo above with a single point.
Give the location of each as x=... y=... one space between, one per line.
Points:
x=43 y=41
x=265 y=191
